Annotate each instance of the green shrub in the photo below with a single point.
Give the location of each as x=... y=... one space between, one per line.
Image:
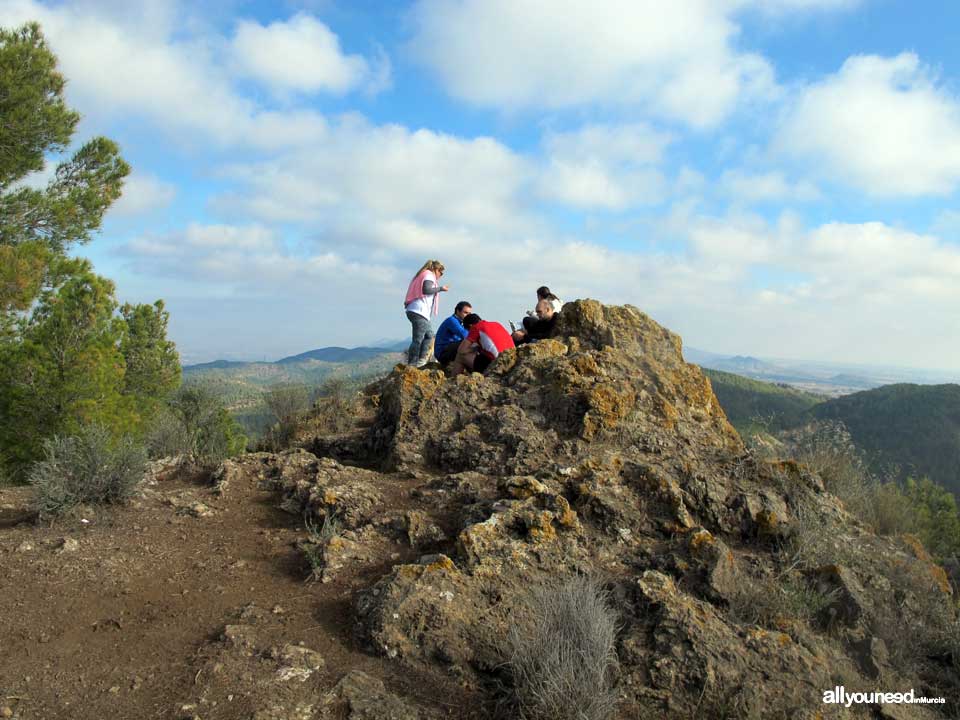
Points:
x=91 y=467
x=561 y=653
x=937 y=520
x=211 y=434
x=888 y=511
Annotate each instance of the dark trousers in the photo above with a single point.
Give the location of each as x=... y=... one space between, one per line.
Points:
x=448 y=354
x=422 y=337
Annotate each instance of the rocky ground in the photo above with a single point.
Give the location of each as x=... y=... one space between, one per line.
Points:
x=740 y=587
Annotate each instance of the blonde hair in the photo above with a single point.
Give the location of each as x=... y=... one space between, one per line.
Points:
x=434 y=266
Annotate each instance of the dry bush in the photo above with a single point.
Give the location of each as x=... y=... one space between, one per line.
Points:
x=91 y=467
x=335 y=406
x=776 y=601
x=167 y=436
x=317 y=539
x=920 y=628
x=288 y=404
x=561 y=653
x=827 y=449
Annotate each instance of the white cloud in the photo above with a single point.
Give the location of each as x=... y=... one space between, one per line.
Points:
x=120 y=65
x=251 y=257
x=301 y=55
x=863 y=292
x=675 y=58
x=604 y=166
x=386 y=171
x=883 y=125
x=143 y=193
x=747 y=187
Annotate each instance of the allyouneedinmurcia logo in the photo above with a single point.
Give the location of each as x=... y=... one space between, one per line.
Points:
x=839 y=696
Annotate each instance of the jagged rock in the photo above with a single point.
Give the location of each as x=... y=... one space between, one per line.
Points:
x=421 y=531
x=598 y=451
x=849 y=603
x=359 y=696
x=393 y=612
x=695 y=648
x=329 y=556
x=325 y=489
x=721 y=573
x=872 y=655
x=297 y=662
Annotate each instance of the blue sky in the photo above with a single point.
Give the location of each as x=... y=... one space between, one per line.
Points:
x=767 y=177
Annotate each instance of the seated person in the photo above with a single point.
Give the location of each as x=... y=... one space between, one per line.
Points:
x=538 y=327
x=485 y=341
x=543 y=293
x=450 y=334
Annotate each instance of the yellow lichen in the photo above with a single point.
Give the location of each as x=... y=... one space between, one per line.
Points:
x=524 y=487
x=700 y=541
x=767 y=523
x=442 y=563
x=565 y=515
x=410 y=571
x=668 y=412
x=607 y=407
x=540 y=527
x=586 y=365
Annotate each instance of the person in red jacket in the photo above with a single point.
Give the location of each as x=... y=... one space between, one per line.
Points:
x=485 y=341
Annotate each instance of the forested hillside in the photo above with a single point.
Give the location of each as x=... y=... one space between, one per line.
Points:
x=911 y=429
x=752 y=404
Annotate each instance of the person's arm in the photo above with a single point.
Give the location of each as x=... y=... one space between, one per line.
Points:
x=431 y=288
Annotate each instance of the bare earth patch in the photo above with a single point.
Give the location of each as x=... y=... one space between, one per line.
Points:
x=183 y=604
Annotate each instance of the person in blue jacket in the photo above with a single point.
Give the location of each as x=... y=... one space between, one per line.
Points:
x=450 y=333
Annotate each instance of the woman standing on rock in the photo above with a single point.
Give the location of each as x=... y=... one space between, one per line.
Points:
x=421 y=303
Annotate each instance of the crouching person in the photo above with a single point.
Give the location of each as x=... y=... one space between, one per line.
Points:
x=484 y=342
x=450 y=334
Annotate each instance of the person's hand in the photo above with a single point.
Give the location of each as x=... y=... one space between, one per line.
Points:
x=444 y=288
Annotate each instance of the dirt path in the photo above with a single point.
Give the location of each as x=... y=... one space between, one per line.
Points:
x=119 y=616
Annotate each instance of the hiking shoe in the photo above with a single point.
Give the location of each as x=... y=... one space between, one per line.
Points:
x=421 y=362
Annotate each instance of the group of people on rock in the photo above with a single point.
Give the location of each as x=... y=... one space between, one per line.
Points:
x=465 y=341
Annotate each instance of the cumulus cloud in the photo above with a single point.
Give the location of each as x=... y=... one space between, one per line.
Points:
x=677 y=59
x=604 y=166
x=121 y=65
x=854 y=291
x=883 y=125
x=252 y=257
x=303 y=55
x=143 y=193
x=385 y=171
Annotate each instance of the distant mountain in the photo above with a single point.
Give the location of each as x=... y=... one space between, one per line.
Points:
x=241 y=384
x=215 y=365
x=819 y=377
x=337 y=355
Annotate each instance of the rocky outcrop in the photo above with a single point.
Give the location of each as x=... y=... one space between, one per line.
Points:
x=602 y=452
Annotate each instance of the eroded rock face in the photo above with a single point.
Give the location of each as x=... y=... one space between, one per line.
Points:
x=613 y=377
x=602 y=452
